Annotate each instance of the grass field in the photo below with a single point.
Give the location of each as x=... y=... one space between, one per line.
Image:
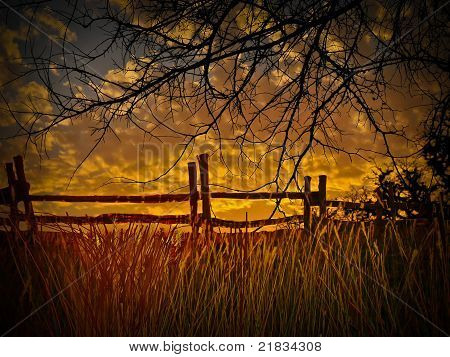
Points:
x=346 y=279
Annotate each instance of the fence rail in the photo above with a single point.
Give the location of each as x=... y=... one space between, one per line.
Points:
x=18 y=190
x=171 y=197
x=180 y=197
x=112 y=218
x=256 y=223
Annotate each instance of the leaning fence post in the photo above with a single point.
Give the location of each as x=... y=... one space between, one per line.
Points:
x=13 y=215
x=193 y=197
x=307 y=204
x=205 y=194
x=23 y=188
x=323 y=195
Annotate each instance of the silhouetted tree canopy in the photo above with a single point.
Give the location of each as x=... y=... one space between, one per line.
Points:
x=436 y=148
x=408 y=186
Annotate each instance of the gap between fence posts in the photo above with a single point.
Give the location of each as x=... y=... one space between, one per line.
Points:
x=307 y=205
x=193 y=198
x=205 y=193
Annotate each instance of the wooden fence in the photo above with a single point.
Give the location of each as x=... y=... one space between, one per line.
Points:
x=18 y=190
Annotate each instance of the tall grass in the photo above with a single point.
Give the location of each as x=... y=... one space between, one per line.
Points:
x=345 y=279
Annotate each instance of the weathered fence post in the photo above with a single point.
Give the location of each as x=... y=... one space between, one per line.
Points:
x=307 y=204
x=205 y=194
x=246 y=222
x=13 y=213
x=23 y=191
x=323 y=195
x=245 y=243
x=193 y=197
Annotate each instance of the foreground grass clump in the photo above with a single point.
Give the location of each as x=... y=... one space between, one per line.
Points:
x=346 y=279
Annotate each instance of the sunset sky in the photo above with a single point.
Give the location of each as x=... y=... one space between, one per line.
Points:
x=52 y=162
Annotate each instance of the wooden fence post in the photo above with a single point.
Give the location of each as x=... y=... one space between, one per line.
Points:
x=307 y=205
x=323 y=195
x=13 y=215
x=246 y=222
x=23 y=191
x=193 y=197
x=205 y=194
